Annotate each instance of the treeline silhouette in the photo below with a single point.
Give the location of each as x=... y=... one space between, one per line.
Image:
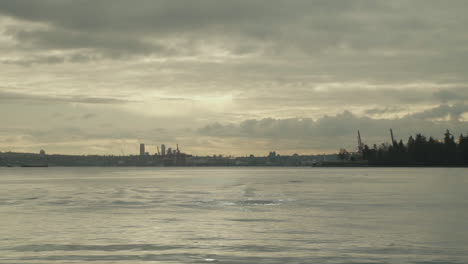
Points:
x=420 y=151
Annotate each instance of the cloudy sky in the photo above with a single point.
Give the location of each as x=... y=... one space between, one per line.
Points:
x=229 y=77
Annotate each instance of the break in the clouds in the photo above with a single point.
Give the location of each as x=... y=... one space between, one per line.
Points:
x=233 y=77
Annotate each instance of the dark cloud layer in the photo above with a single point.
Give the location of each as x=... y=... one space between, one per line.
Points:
x=10 y=97
x=381 y=30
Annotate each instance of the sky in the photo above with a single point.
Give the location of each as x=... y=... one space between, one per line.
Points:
x=229 y=77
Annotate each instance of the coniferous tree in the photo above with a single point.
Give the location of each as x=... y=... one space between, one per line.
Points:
x=420 y=151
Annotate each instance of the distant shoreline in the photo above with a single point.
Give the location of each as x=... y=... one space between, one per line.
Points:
x=15 y=159
x=243 y=166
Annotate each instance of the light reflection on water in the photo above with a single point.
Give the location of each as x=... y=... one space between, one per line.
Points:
x=233 y=215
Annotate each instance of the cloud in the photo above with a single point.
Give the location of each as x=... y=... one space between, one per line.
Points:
x=304 y=135
x=383 y=110
x=268 y=127
x=88 y=115
x=453 y=112
x=331 y=132
x=457 y=94
x=334 y=33
x=174 y=99
x=10 y=97
x=67 y=57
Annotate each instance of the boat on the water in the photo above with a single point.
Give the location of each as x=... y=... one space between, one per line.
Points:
x=34 y=165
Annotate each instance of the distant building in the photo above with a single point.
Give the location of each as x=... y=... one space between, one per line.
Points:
x=42 y=152
x=163 y=149
x=142 y=149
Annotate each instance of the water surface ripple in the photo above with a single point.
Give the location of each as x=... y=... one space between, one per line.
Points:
x=233 y=215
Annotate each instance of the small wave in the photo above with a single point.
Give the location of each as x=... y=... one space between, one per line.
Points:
x=255 y=220
x=228 y=203
x=9 y=202
x=121 y=202
x=59 y=202
x=224 y=203
x=295 y=181
x=31 y=198
x=260 y=202
x=72 y=247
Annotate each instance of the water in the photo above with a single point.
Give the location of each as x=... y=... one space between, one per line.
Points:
x=233 y=215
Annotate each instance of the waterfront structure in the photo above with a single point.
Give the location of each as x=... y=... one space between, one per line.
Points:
x=142 y=149
x=163 y=150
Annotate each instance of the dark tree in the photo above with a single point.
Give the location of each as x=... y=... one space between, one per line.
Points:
x=420 y=151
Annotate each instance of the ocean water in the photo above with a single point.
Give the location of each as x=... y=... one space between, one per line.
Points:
x=233 y=215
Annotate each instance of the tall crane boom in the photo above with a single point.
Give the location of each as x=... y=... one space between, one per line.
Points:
x=360 y=147
x=393 y=139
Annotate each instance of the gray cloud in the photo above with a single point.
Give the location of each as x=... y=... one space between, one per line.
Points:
x=457 y=94
x=383 y=110
x=414 y=32
x=333 y=132
x=88 y=115
x=112 y=45
x=74 y=57
x=174 y=99
x=11 y=97
x=453 y=112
